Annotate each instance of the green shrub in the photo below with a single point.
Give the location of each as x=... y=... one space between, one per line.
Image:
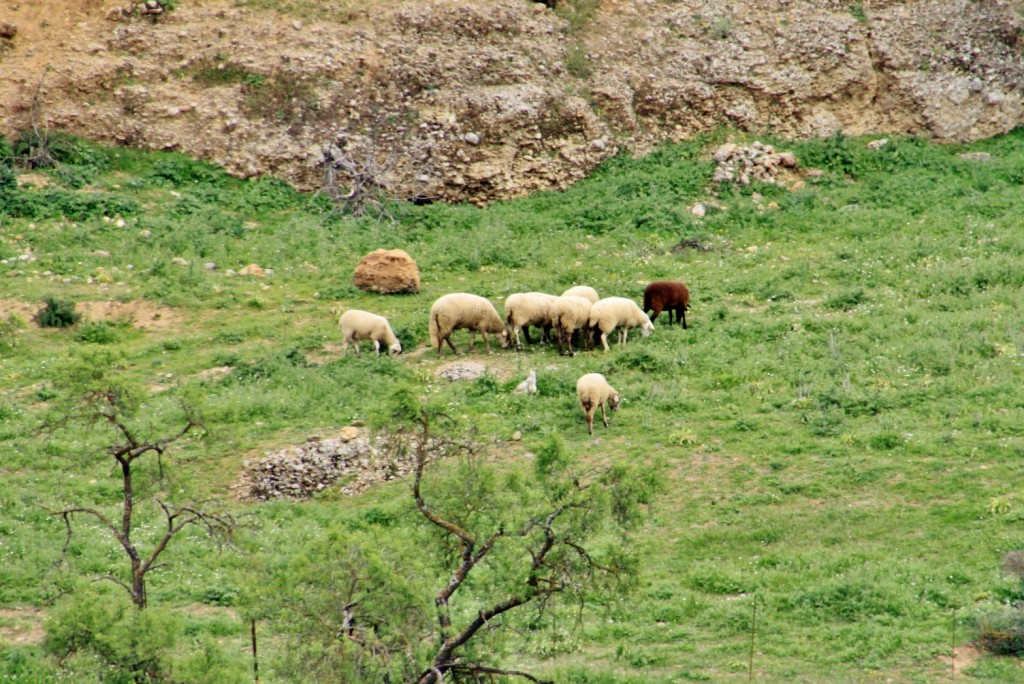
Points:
x=99 y=332
x=8 y=179
x=9 y=328
x=1001 y=632
x=58 y=313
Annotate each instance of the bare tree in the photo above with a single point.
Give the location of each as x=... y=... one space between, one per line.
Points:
x=100 y=400
x=361 y=167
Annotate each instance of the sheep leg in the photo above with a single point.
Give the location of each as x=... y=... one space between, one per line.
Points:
x=568 y=343
x=590 y=419
x=682 y=313
x=526 y=333
x=487 y=342
x=519 y=344
x=623 y=334
x=604 y=416
x=440 y=345
x=376 y=346
x=355 y=344
x=656 y=311
x=604 y=340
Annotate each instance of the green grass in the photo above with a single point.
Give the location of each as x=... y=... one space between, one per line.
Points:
x=837 y=422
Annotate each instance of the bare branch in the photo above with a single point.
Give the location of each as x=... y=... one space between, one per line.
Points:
x=475 y=669
x=115 y=580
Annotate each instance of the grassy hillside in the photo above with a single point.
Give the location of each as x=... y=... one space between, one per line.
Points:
x=842 y=425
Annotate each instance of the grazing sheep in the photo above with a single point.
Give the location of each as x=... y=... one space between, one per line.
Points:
x=362 y=325
x=524 y=309
x=667 y=295
x=593 y=391
x=468 y=311
x=569 y=314
x=618 y=312
x=584 y=291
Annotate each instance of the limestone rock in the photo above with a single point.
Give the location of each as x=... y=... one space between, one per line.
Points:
x=387 y=271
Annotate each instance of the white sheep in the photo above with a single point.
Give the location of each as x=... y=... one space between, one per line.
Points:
x=460 y=310
x=594 y=391
x=569 y=314
x=524 y=309
x=584 y=291
x=618 y=312
x=362 y=325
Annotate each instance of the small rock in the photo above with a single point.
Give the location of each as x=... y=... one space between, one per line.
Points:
x=698 y=210
x=210 y=266
x=252 y=270
x=348 y=433
x=180 y=261
x=472 y=138
x=517 y=436
x=8 y=30
x=975 y=156
x=993 y=98
x=815 y=173
x=725 y=151
x=877 y=144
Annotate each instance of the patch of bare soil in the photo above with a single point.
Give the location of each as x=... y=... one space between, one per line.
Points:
x=22 y=626
x=964 y=656
x=144 y=315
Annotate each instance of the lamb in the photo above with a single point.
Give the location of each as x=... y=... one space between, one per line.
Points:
x=524 y=309
x=569 y=314
x=584 y=291
x=618 y=312
x=467 y=311
x=667 y=295
x=593 y=391
x=362 y=325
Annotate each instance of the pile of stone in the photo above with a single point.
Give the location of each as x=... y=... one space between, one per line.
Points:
x=299 y=472
x=745 y=164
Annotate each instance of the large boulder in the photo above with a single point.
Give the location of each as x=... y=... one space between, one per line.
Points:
x=387 y=271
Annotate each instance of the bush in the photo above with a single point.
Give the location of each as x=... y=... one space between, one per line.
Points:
x=58 y=313
x=99 y=332
x=9 y=328
x=1002 y=632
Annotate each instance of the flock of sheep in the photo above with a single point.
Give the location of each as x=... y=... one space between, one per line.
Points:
x=577 y=310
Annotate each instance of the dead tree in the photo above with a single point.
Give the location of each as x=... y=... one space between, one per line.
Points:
x=111 y=405
x=360 y=168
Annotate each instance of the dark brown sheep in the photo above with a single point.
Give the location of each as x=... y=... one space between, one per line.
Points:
x=667 y=295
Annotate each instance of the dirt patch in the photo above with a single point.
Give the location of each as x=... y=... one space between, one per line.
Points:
x=145 y=315
x=964 y=656
x=140 y=314
x=214 y=373
x=22 y=626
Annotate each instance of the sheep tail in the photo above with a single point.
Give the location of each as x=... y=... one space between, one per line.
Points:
x=434 y=329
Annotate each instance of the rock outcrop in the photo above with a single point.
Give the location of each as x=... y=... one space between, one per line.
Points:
x=494 y=99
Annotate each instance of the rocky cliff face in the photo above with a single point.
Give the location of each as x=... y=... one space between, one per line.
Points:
x=497 y=98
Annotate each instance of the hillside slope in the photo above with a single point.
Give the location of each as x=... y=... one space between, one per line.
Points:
x=503 y=97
